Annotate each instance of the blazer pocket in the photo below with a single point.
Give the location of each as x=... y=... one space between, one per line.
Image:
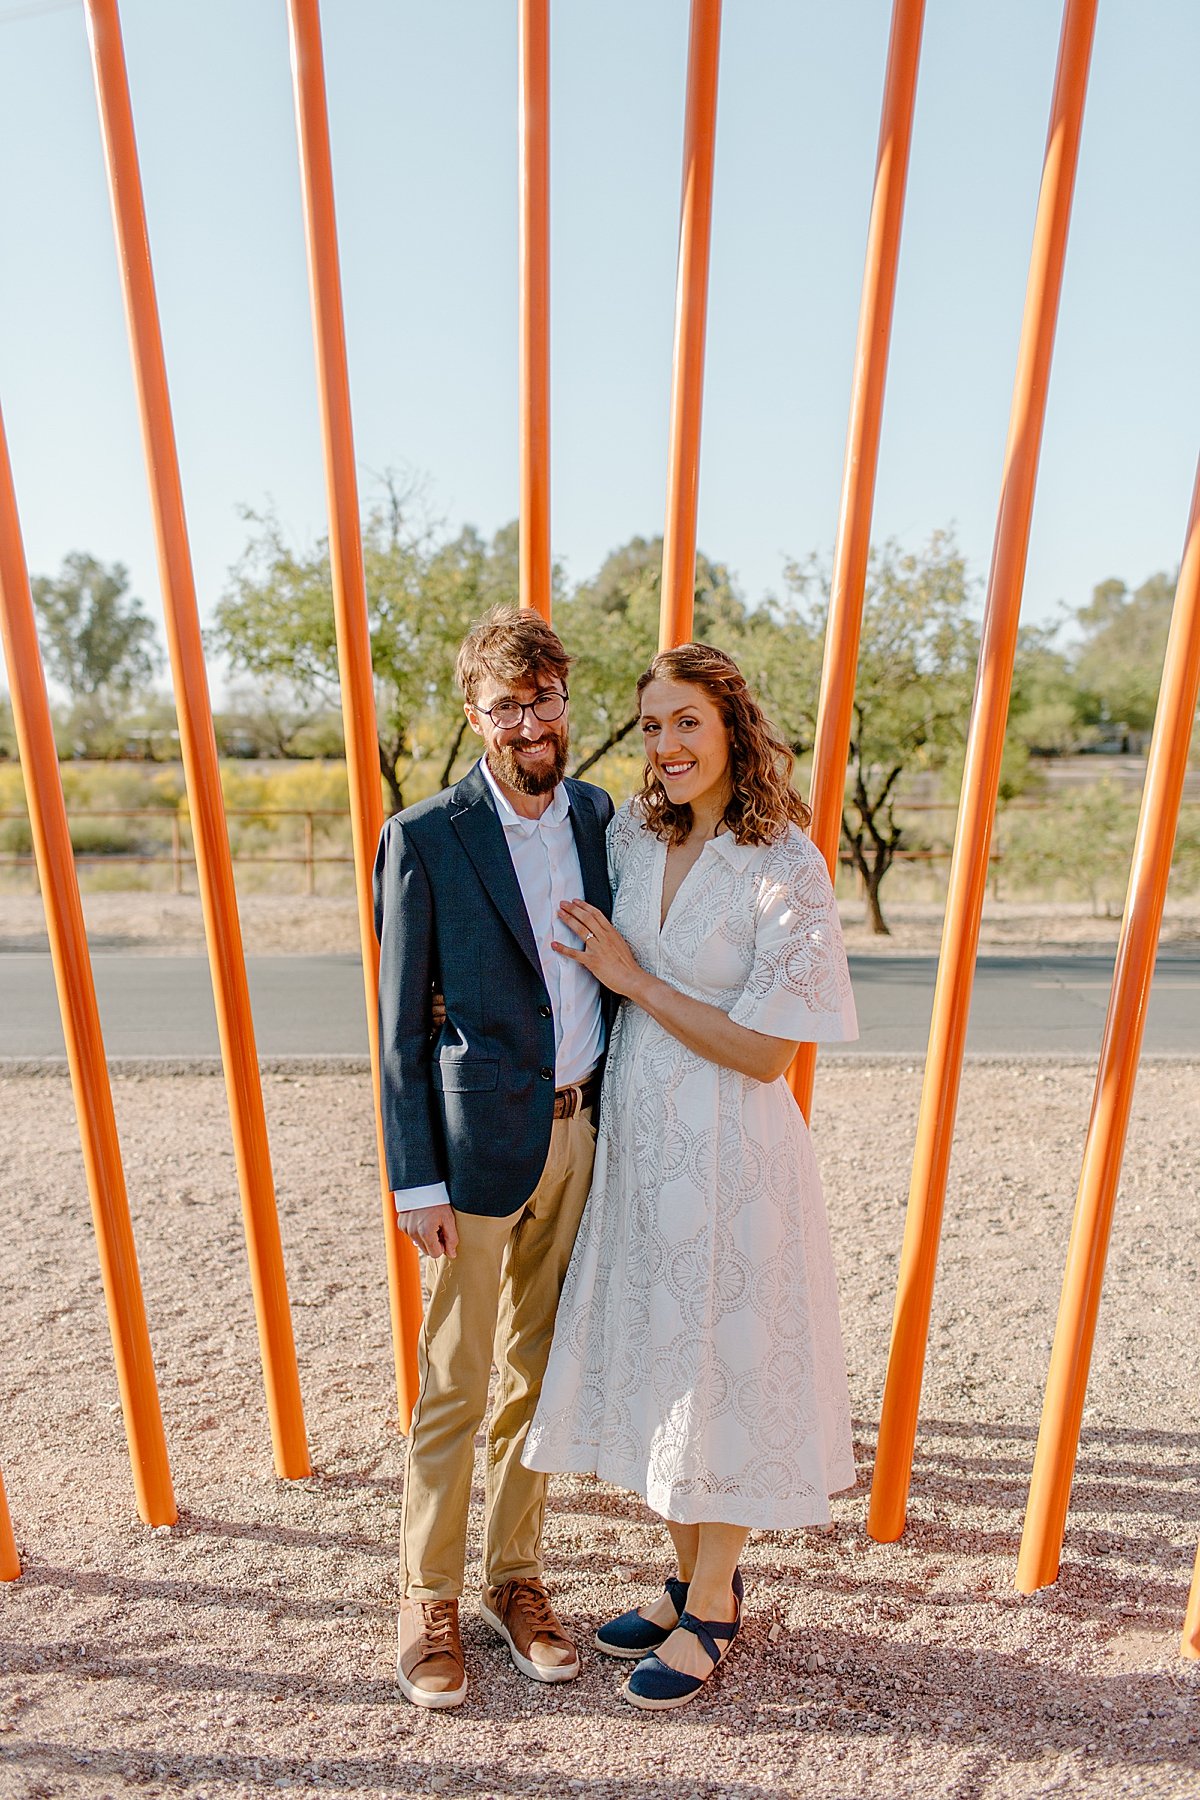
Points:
x=467 y=1074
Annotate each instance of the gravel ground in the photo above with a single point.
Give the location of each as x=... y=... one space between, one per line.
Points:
x=250 y=1648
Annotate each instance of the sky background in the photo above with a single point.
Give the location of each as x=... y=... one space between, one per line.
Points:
x=424 y=133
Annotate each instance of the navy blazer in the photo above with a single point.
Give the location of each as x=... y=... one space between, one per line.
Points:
x=472 y=1106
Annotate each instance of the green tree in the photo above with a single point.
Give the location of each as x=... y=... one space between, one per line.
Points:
x=1119 y=665
x=916 y=668
x=8 y=730
x=610 y=624
x=274 y=624
x=98 y=644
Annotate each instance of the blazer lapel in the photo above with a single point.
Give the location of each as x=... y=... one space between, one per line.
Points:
x=482 y=837
x=593 y=856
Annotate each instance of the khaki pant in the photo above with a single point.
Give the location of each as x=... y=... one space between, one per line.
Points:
x=500 y=1293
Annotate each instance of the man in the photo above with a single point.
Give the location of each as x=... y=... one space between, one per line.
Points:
x=489 y=1129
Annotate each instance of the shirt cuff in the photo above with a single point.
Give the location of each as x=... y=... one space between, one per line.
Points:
x=434 y=1193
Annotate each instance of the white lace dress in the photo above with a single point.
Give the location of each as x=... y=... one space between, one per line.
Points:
x=697 y=1354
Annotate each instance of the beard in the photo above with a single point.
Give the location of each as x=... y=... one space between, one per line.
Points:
x=506 y=767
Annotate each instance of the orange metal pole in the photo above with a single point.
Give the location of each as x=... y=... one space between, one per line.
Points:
x=981 y=774
x=350 y=619
x=534 y=253
x=1190 y=1642
x=81 y=1024
x=844 y=624
x=1066 y=1384
x=691 y=309
x=199 y=750
x=10 y=1562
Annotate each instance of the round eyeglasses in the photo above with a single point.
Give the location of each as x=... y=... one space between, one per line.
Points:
x=509 y=715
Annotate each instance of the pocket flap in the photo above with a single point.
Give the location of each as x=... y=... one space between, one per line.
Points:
x=467 y=1074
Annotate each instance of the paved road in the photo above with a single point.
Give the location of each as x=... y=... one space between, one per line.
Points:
x=313 y=1005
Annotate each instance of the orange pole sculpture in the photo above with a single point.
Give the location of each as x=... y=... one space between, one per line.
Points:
x=1190 y=1642
x=534 y=256
x=981 y=775
x=691 y=308
x=835 y=706
x=81 y=1028
x=10 y=1562
x=1066 y=1384
x=350 y=619
x=199 y=750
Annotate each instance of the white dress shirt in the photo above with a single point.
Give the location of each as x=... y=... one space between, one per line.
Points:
x=546 y=863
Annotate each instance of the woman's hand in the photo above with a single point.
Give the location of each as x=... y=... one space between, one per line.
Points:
x=605 y=954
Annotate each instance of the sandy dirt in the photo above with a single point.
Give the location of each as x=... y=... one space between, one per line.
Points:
x=250 y=1649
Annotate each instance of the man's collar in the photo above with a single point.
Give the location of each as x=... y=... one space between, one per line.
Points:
x=555 y=814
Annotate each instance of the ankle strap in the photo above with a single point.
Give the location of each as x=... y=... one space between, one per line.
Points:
x=708 y=1631
x=677 y=1593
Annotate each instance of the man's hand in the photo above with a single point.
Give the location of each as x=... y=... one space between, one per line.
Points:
x=432 y=1228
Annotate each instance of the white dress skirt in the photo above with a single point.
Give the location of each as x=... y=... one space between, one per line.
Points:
x=697 y=1354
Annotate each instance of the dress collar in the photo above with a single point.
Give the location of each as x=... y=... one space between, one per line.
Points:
x=555 y=814
x=737 y=855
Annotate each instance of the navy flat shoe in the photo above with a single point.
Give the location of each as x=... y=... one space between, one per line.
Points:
x=655 y=1686
x=631 y=1635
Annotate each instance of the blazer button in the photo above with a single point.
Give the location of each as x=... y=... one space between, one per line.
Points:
x=543 y=1012
x=546 y=1074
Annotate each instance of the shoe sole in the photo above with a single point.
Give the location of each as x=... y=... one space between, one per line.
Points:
x=423 y=1697
x=535 y=1671
x=645 y=1705
x=626 y=1655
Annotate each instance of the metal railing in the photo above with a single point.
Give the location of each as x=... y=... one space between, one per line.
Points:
x=177 y=851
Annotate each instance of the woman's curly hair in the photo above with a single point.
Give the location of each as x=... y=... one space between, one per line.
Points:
x=763 y=802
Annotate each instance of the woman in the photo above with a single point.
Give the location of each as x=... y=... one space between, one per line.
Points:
x=697 y=1354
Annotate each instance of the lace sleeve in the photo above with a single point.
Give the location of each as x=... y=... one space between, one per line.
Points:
x=799 y=986
x=622 y=830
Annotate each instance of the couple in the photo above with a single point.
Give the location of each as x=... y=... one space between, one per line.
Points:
x=696 y=1351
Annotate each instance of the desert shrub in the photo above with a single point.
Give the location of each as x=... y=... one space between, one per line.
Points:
x=105 y=837
x=16 y=837
x=1079 y=844
x=12 y=789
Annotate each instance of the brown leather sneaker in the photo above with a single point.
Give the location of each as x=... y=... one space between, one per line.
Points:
x=521 y=1613
x=430 y=1670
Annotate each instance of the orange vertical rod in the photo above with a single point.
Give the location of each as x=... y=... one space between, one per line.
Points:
x=350 y=618
x=852 y=549
x=691 y=309
x=10 y=1562
x=1104 y=1147
x=534 y=256
x=198 y=746
x=1190 y=1642
x=981 y=774
x=81 y=1027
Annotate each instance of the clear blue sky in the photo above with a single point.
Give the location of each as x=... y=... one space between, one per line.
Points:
x=423 y=119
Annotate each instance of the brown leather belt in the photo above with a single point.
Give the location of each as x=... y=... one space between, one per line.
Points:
x=570 y=1100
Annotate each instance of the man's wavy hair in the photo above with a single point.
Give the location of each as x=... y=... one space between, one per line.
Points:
x=763 y=802
x=509 y=644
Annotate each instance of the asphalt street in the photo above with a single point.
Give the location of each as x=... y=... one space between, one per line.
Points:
x=314 y=1005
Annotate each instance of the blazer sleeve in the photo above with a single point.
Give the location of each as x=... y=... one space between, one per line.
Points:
x=407 y=966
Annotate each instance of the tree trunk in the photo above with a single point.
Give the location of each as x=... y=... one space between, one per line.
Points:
x=610 y=743
x=388 y=767
x=875 y=917
x=455 y=747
